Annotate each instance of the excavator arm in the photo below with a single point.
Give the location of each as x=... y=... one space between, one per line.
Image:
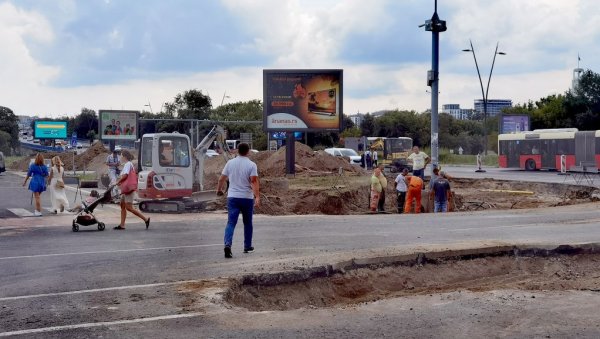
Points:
x=217 y=133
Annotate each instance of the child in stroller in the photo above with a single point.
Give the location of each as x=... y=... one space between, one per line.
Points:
x=85 y=214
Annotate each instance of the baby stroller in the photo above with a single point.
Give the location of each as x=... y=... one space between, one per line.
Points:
x=86 y=216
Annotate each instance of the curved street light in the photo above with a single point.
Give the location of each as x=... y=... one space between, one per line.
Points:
x=484 y=94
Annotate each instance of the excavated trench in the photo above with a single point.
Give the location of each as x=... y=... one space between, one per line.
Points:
x=561 y=268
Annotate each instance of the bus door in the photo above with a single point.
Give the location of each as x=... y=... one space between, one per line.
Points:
x=513 y=154
x=585 y=147
x=548 y=151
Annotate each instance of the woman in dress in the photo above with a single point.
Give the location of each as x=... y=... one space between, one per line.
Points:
x=58 y=195
x=38 y=173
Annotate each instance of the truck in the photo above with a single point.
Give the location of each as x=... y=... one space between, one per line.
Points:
x=395 y=152
x=171 y=172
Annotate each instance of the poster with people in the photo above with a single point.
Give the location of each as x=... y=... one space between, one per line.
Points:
x=118 y=125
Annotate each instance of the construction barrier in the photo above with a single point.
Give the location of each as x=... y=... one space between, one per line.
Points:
x=563 y=164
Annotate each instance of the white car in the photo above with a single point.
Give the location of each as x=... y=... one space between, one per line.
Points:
x=211 y=153
x=345 y=152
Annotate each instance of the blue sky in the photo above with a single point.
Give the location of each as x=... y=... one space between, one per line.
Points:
x=111 y=54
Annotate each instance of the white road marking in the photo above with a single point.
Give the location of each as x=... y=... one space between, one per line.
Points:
x=20 y=212
x=107 y=251
x=116 y=288
x=100 y=324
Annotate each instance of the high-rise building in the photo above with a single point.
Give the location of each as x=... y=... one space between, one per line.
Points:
x=457 y=112
x=494 y=106
x=357 y=119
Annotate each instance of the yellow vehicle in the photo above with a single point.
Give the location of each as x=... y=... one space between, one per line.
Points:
x=395 y=152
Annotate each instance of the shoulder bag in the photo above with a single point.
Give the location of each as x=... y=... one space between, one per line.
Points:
x=130 y=183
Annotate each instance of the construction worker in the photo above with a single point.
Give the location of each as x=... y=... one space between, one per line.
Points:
x=419 y=160
x=383 y=182
x=401 y=189
x=440 y=193
x=375 y=190
x=374 y=158
x=415 y=185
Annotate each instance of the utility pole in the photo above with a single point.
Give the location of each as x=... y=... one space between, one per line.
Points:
x=435 y=26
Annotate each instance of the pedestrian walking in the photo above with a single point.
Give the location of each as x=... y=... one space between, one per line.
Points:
x=58 y=196
x=383 y=182
x=375 y=163
x=113 y=161
x=375 y=190
x=128 y=183
x=242 y=196
x=38 y=172
x=369 y=159
x=415 y=185
x=419 y=160
x=401 y=189
x=440 y=193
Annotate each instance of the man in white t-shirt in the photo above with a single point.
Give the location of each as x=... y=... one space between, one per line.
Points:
x=419 y=160
x=375 y=158
x=401 y=189
x=113 y=161
x=243 y=195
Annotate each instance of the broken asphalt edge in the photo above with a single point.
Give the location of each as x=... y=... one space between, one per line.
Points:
x=417 y=258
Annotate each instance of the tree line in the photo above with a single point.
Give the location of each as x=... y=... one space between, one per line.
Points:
x=578 y=107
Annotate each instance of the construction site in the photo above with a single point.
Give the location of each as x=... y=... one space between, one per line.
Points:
x=325 y=184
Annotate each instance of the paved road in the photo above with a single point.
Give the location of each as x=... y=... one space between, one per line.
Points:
x=144 y=283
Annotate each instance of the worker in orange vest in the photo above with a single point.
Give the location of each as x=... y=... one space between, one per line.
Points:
x=415 y=185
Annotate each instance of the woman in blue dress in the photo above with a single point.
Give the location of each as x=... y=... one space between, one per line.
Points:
x=38 y=173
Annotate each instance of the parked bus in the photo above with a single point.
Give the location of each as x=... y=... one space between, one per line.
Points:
x=542 y=149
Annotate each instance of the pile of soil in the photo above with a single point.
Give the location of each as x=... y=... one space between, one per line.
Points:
x=92 y=159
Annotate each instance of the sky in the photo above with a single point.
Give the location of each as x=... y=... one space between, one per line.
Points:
x=59 y=56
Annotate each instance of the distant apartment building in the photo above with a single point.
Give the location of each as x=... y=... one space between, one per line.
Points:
x=494 y=106
x=457 y=112
x=357 y=119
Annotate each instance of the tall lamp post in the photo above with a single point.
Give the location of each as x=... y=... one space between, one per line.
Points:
x=484 y=94
x=435 y=25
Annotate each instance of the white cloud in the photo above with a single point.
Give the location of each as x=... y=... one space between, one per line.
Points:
x=22 y=76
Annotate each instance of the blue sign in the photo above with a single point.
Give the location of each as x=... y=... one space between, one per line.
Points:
x=281 y=135
x=74 y=139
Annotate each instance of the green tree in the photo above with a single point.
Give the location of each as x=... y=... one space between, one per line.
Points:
x=367 y=126
x=9 y=125
x=85 y=122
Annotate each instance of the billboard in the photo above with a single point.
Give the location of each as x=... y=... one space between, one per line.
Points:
x=514 y=123
x=282 y=136
x=50 y=129
x=118 y=125
x=302 y=100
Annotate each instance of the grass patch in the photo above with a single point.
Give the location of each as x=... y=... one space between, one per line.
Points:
x=467 y=159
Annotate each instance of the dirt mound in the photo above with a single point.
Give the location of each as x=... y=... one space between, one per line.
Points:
x=307 y=162
x=92 y=159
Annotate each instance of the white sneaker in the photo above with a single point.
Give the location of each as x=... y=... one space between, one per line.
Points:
x=37 y=214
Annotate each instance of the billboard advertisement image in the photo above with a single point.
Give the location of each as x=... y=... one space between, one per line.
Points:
x=302 y=100
x=514 y=123
x=50 y=129
x=118 y=125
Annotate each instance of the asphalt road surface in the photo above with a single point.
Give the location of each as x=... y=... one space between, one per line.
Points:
x=137 y=283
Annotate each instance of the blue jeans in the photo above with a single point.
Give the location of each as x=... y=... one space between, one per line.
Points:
x=419 y=173
x=440 y=206
x=234 y=207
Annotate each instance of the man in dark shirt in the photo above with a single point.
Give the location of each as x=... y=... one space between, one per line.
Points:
x=440 y=193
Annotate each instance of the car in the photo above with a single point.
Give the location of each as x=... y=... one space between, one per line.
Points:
x=211 y=153
x=345 y=152
x=79 y=145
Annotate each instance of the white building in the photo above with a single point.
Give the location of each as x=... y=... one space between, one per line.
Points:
x=457 y=112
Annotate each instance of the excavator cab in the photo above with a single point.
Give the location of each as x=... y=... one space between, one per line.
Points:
x=166 y=166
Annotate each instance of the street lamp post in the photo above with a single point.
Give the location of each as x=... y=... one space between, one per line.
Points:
x=484 y=94
x=435 y=25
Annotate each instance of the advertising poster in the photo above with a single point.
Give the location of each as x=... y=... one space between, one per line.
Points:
x=514 y=123
x=302 y=100
x=50 y=129
x=118 y=125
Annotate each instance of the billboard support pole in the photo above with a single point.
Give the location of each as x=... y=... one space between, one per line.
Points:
x=290 y=154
